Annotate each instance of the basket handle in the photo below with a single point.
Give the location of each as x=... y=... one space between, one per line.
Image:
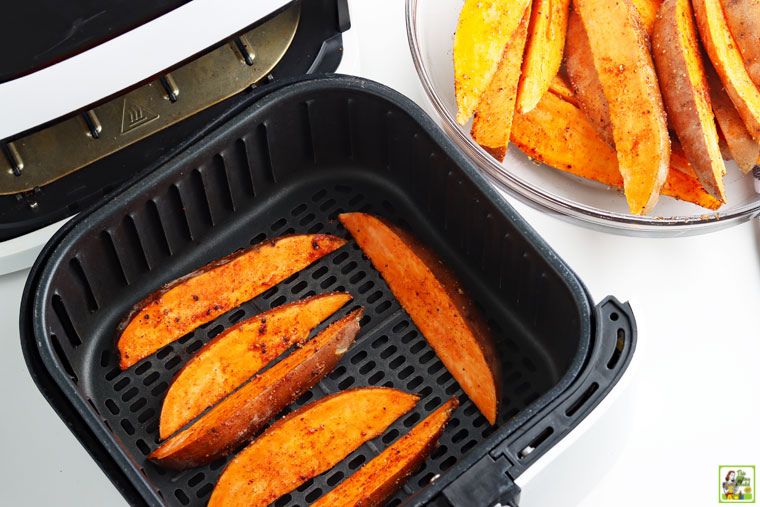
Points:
x=490 y=481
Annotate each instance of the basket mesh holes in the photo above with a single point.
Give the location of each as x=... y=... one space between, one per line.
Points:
x=357 y=462
x=129 y=394
x=165 y=351
x=204 y=490
x=283 y=501
x=196 y=479
x=313 y=495
x=376 y=377
x=335 y=478
x=112 y=406
x=143 y=447
x=138 y=404
x=182 y=497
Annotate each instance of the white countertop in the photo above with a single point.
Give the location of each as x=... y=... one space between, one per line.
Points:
x=679 y=419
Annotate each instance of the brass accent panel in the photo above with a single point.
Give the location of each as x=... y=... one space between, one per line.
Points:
x=69 y=145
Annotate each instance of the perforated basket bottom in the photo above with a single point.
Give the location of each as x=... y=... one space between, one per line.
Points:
x=389 y=351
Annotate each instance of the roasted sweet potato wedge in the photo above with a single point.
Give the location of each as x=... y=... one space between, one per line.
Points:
x=203 y=295
x=743 y=18
x=493 y=117
x=558 y=134
x=744 y=150
x=562 y=88
x=235 y=355
x=543 y=53
x=376 y=481
x=589 y=94
x=306 y=443
x=483 y=30
x=240 y=415
x=628 y=78
x=435 y=301
x=727 y=60
x=579 y=64
x=678 y=59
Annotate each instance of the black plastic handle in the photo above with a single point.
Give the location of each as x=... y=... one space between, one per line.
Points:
x=491 y=481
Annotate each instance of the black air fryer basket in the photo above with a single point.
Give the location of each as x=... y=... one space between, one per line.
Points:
x=290 y=163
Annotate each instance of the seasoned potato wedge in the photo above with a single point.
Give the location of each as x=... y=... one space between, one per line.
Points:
x=684 y=88
x=589 y=94
x=743 y=18
x=483 y=30
x=376 y=481
x=628 y=78
x=235 y=355
x=727 y=60
x=236 y=418
x=558 y=134
x=744 y=150
x=306 y=443
x=543 y=53
x=493 y=117
x=434 y=300
x=203 y=295
x=562 y=88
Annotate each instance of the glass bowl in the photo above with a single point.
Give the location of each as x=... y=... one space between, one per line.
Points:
x=430 y=28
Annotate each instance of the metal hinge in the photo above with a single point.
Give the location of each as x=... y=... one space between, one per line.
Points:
x=53 y=152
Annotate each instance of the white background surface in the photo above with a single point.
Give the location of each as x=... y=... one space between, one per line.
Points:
x=696 y=301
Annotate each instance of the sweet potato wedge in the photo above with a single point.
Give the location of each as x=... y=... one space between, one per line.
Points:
x=376 y=481
x=235 y=355
x=543 y=53
x=306 y=443
x=628 y=78
x=435 y=301
x=493 y=117
x=743 y=18
x=562 y=88
x=589 y=94
x=743 y=148
x=483 y=30
x=558 y=134
x=203 y=295
x=678 y=59
x=727 y=60
x=240 y=415
x=579 y=64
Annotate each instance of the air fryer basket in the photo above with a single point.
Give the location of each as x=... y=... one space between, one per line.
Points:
x=289 y=164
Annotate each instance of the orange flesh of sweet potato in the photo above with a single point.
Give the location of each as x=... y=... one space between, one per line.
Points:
x=235 y=355
x=743 y=18
x=306 y=443
x=438 y=306
x=493 y=117
x=483 y=30
x=589 y=94
x=558 y=134
x=236 y=418
x=628 y=78
x=728 y=62
x=743 y=148
x=687 y=98
x=543 y=54
x=647 y=10
x=203 y=295
x=376 y=481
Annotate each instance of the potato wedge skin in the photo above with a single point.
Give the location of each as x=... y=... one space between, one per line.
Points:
x=589 y=94
x=684 y=88
x=238 y=353
x=240 y=415
x=306 y=443
x=728 y=62
x=493 y=117
x=203 y=295
x=647 y=10
x=379 y=479
x=437 y=305
x=562 y=88
x=626 y=72
x=483 y=30
x=743 y=148
x=558 y=134
x=544 y=50
x=743 y=17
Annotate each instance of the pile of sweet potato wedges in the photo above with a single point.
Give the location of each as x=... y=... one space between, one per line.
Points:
x=238 y=382
x=646 y=95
